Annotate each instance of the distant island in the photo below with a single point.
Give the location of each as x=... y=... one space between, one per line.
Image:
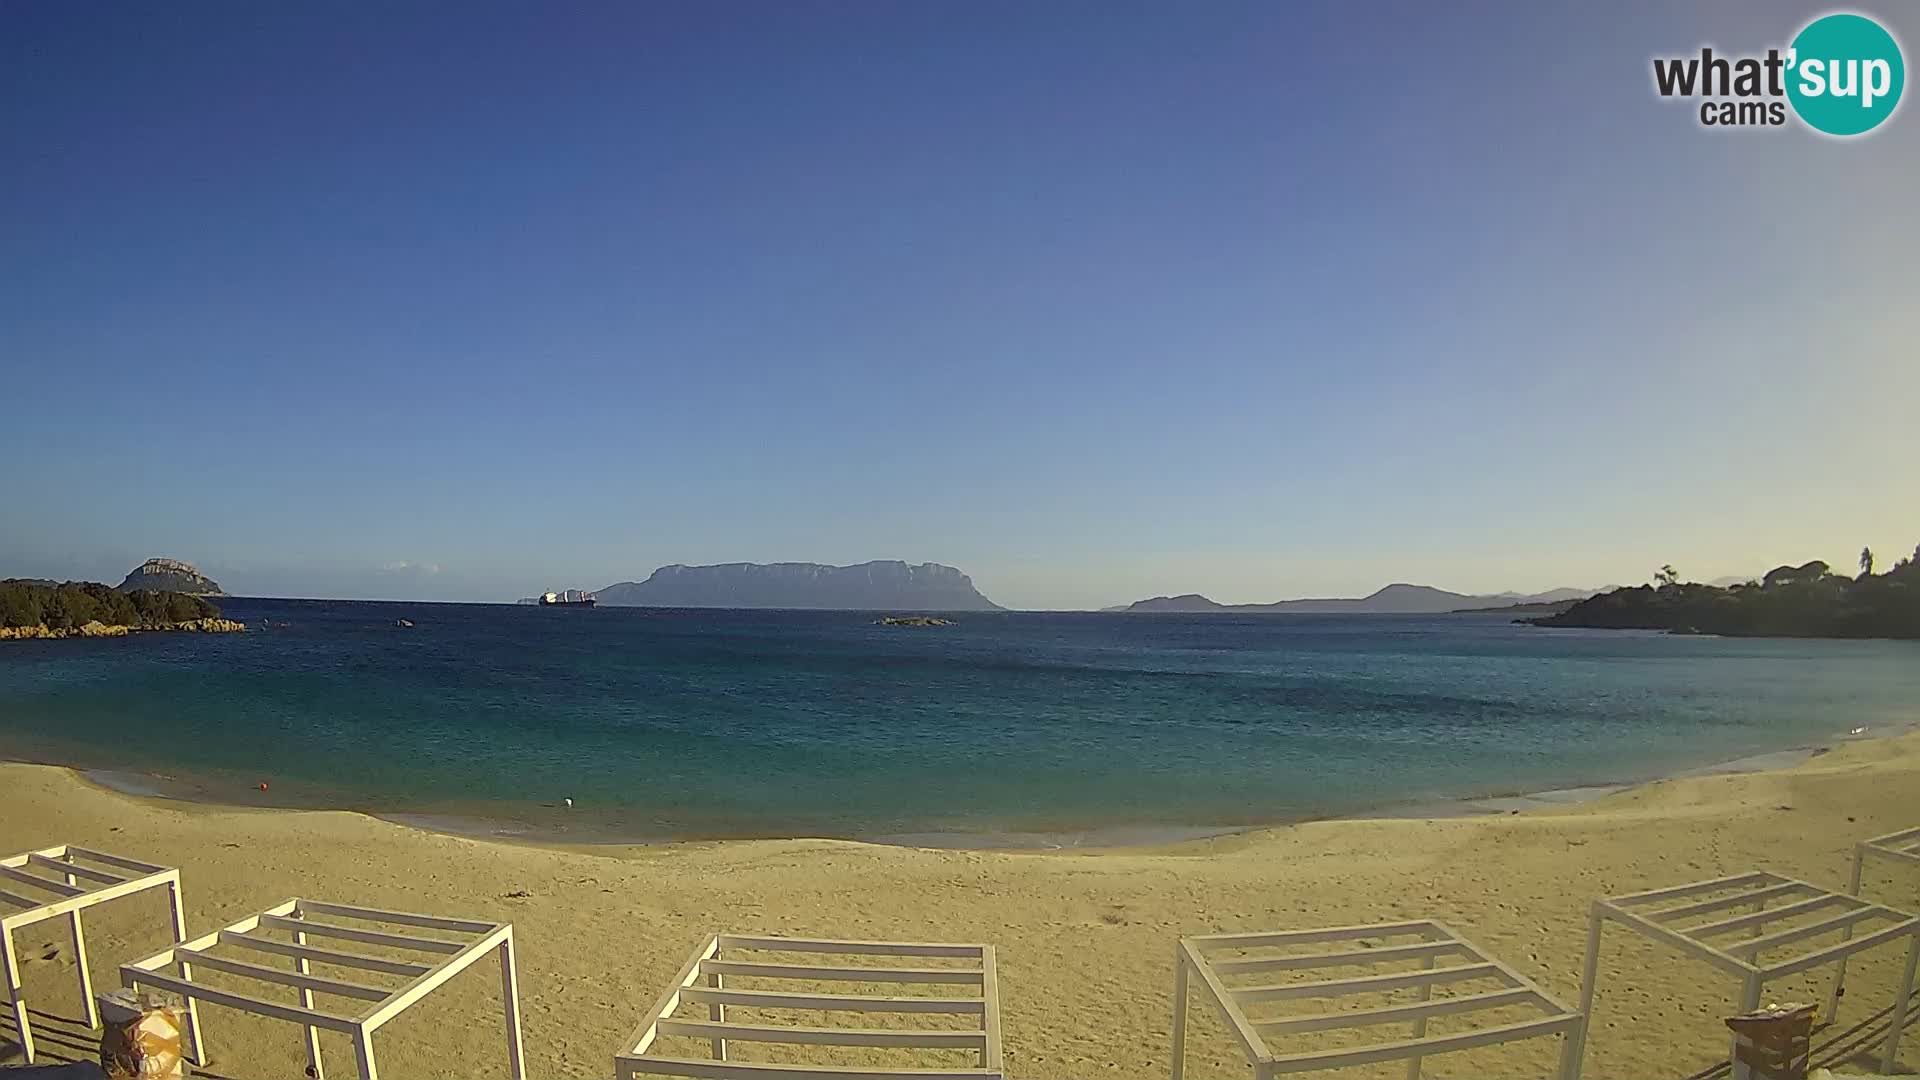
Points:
x=1396 y=599
x=886 y=585
x=1808 y=600
x=171 y=575
x=30 y=609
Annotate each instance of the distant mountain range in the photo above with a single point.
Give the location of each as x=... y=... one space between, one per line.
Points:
x=171 y=575
x=1396 y=599
x=887 y=585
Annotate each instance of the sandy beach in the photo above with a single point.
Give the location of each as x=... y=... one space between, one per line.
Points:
x=1085 y=938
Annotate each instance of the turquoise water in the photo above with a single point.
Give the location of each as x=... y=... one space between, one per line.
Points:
x=713 y=723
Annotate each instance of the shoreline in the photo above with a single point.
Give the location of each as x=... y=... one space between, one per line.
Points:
x=1085 y=943
x=1120 y=837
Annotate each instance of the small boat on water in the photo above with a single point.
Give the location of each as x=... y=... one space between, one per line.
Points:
x=569 y=598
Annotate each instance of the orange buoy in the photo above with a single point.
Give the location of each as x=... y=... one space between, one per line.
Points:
x=263 y=785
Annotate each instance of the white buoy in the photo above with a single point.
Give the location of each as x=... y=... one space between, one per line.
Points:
x=569 y=803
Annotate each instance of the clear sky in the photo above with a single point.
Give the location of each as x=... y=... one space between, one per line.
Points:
x=1095 y=301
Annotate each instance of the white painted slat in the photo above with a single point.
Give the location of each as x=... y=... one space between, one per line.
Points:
x=325 y=956
x=1433 y=1044
x=1761 y=918
x=865 y=948
x=76 y=869
x=446 y=969
x=1213 y=942
x=923 y=1039
x=736 y=1070
x=1752 y=946
x=243 y=1002
x=1846 y=948
x=769 y=999
x=37 y=881
x=669 y=1000
x=364 y=937
x=1721 y=904
x=1357 y=956
x=1678 y=940
x=843 y=974
x=285 y=978
x=1368 y=983
x=1675 y=892
x=1393 y=1014
x=404 y=918
x=120 y=861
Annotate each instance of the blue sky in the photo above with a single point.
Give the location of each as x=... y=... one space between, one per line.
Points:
x=1095 y=301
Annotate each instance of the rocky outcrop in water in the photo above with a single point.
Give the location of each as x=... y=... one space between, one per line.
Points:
x=882 y=585
x=171 y=575
x=99 y=629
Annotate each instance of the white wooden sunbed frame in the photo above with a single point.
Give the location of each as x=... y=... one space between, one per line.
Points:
x=1897 y=847
x=78 y=878
x=702 y=982
x=441 y=958
x=1649 y=914
x=1194 y=957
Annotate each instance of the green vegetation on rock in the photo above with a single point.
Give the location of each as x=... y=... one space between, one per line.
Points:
x=1791 y=601
x=77 y=603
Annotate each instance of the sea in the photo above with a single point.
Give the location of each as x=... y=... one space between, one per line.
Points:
x=1002 y=729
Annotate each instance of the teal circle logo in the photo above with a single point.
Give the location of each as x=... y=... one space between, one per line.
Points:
x=1845 y=74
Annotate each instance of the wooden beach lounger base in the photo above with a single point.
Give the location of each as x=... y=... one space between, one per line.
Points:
x=711 y=978
x=325 y=934
x=1445 y=958
x=66 y=880
x=1704 y=926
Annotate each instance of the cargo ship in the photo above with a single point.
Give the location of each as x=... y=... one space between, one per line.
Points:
x=569 y=598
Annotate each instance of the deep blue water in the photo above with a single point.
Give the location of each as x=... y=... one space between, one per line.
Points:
x=712 y=723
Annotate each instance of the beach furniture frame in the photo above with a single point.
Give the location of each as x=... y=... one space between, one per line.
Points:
x=77 y=878
x=1656 y=915
x=455 y=945
x=1371 y=946
x=1897 y=847
x=703 y=982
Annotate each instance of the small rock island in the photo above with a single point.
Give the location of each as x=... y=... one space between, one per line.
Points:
x=37 y=610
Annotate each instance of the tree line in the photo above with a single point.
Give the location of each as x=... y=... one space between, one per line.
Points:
x=1808 y=600
x=77 y=603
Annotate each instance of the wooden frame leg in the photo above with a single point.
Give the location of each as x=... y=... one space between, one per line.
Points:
x=314 y=1068
x=1899 y=1021
x=1179 y=1012
x=510 y=998
x=1846 y=934
x=1570 y=1051
x=87 y=1008
x=186 y=972
x=1589 y=982
x=1749 y=1001
x=10 y=967
x=363 y=1051
x=1420 y=1023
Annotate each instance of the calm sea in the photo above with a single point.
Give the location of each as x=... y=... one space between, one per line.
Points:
x=662 y=723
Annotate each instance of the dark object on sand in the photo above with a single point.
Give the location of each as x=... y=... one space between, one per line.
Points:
x=1774 y=1042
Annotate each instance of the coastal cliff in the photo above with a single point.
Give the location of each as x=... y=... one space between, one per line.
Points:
x=871 y=586
x=171 y=575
